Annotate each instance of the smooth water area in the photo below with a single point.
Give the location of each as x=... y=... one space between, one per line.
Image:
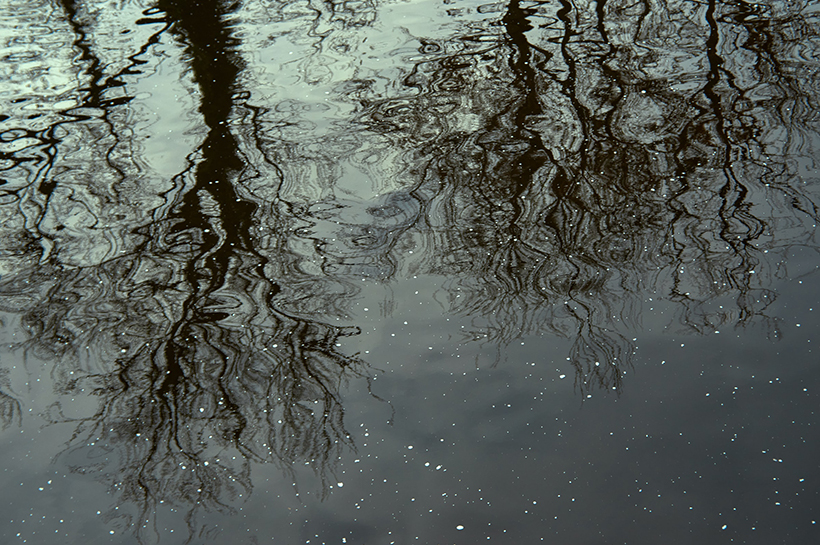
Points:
x=441 y=272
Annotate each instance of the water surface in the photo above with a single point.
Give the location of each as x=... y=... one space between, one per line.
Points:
x=409 y=272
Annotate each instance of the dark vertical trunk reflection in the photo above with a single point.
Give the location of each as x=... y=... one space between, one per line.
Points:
x=522 y=58
x=210 y=207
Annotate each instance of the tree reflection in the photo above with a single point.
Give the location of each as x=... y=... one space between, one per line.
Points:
x=604 y=179
x=196 y=370
x=584 y=170
x=192 y=390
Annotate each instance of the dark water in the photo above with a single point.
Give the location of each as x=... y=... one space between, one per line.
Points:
x=409 y=272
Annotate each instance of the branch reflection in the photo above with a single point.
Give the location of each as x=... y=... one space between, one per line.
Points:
x=611 y=168
x=177 y=330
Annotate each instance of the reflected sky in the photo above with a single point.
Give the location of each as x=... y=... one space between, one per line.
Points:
x=253 y=252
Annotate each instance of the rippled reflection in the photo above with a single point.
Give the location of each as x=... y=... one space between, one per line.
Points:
x=194 y=192
x=616 y=164
x=569 y=167
x=153 y=298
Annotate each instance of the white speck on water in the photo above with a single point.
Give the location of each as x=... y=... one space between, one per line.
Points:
x=459 y=527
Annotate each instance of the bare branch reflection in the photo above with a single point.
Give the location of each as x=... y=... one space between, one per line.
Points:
x=177 y=331
x=598 y=180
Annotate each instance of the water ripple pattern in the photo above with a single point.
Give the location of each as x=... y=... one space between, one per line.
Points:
x=201 y=202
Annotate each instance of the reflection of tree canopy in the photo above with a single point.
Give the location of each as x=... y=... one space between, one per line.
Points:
x=614 y=153
x=190 y=389
x=569 y=167
x=173 y=322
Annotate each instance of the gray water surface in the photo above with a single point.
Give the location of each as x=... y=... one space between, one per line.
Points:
x=441 y=272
